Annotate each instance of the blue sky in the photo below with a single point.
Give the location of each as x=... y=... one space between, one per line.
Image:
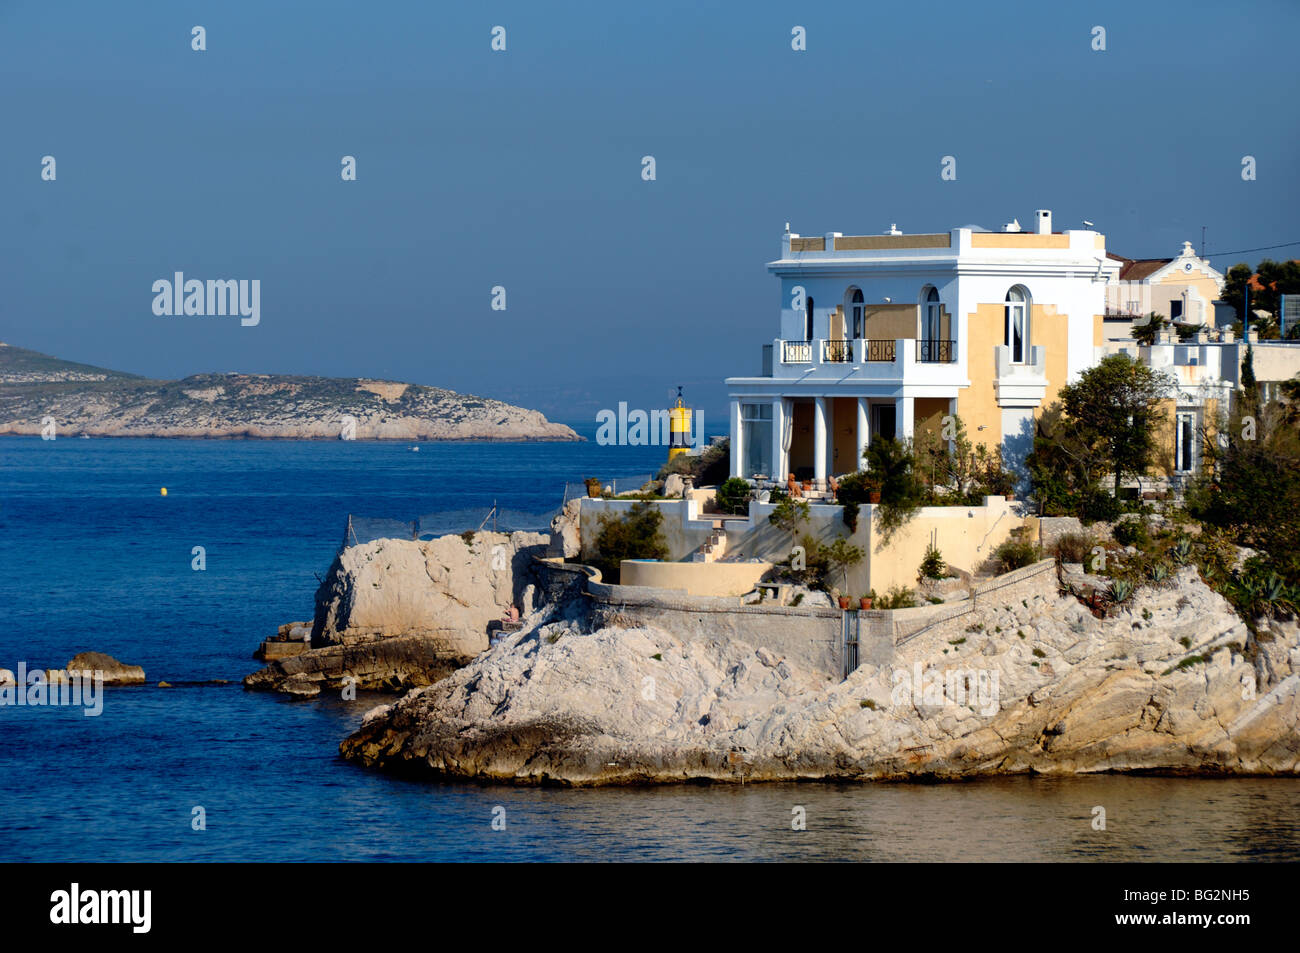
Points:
x=522 y=169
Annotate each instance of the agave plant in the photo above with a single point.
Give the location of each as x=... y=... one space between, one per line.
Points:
x=1120 y=590
x=1159 y=572
x=1276 y=594
x=1181 y=550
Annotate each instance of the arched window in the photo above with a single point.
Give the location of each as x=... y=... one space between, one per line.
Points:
x=808 y=321
x=1017 y=325
x=931 y=317
x=857 y=307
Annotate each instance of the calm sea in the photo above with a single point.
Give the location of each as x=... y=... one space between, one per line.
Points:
x=93 y=557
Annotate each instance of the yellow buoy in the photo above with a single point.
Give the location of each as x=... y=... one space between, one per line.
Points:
x=679 y=427
x=163 y=491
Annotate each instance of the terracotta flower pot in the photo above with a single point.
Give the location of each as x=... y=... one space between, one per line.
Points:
x=864 y=603
x=844 y=602
x=874 y=496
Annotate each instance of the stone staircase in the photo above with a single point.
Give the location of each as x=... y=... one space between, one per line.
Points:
x=714 y=548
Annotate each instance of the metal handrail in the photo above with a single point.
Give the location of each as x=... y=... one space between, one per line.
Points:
x=934 y=351
x=837 y=352
x=881 y=350
x=796 y=352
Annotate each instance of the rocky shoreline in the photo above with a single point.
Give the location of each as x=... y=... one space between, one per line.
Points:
x=1174 y=683
x=392 y=615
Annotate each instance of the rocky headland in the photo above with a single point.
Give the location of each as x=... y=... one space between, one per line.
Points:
x=393 y=614
x=1173 y=681
x=96 y=402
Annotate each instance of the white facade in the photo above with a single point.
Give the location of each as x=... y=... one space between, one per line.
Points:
x=945 y=302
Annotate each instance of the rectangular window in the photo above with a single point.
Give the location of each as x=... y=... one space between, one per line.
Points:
x=1185 y=442
x=1015 y=336
x=756 y=427
x=1176 y=310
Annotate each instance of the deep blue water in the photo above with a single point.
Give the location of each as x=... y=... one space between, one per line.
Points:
x=93 y=557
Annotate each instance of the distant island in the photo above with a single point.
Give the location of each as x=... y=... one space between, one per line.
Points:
x=80 y=399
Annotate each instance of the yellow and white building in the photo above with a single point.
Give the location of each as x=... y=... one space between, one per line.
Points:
x=885 y=334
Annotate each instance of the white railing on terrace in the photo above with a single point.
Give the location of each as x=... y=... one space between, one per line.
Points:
x=796 y=352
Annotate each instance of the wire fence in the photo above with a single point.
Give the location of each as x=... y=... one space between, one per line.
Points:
x=625 y=484
x=495 y=518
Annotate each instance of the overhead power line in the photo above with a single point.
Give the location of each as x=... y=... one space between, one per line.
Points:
x=1243 y=251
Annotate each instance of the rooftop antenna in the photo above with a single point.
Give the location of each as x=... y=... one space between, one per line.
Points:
x=1202 y=241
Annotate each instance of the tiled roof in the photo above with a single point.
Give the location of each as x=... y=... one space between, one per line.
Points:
x=1133 y=269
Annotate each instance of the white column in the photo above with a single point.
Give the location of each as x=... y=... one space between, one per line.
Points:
x=819 y=441
x=864 y=431
x=737 y=439
x=779 y=462
x=904 y=408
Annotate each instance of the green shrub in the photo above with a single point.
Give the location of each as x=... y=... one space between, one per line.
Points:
x=933 y=566
x=898 y=597
x=709 y=468
x=892 y=463
x=732 y=496
x=1014 y=554
x=1131 y=533
x=635 y=535
x=1074 y=547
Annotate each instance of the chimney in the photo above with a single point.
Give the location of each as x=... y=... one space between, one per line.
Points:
x=1044 y=217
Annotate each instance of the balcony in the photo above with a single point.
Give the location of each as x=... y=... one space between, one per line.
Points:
x=796 y=352
x=837 y=352
x=935 y=351
x=881 y=351
x=867 y=361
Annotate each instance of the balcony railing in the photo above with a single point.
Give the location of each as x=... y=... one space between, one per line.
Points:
x=837 y=352
x=881 y=350
x=796 y=352
x=934 y=351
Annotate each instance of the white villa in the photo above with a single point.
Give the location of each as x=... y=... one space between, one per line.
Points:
x=885 y=334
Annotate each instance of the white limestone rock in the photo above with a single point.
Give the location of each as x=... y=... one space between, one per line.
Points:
x=553 y=703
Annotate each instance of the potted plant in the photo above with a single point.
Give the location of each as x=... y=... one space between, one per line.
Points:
x=872 y=484
x=844 y=602
x=867 y=601
x=593 y=487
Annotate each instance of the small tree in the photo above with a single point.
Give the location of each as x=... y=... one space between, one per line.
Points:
x=841 y=555
x=790 y=514
x=1147 y=331
x=933 y=566
x=635 y=535
x=732 y=495
x=1114 y=408
x=1249 y=386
